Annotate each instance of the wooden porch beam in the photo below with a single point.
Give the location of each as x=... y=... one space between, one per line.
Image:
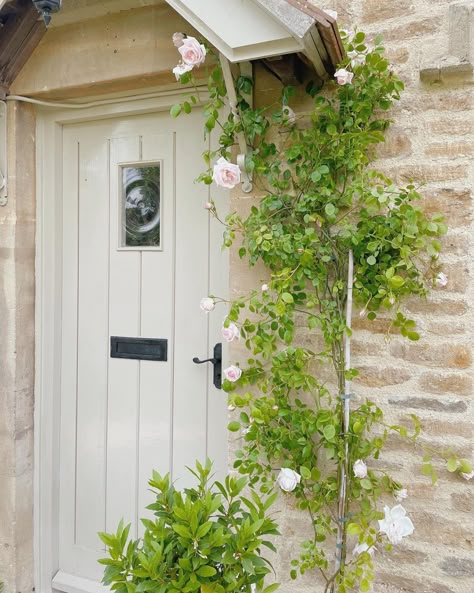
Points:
x=22 y=30
x=327 y=28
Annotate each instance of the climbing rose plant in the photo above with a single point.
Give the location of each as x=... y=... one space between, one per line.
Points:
x=330 y=230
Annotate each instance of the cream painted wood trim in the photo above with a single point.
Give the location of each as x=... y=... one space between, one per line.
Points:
x=68 y=583
x=273 y=38
x=47 y=310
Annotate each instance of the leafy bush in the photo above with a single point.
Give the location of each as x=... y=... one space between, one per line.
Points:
x=207 y=539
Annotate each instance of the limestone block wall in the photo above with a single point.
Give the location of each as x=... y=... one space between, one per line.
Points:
x=17 y=326
x=431 y=141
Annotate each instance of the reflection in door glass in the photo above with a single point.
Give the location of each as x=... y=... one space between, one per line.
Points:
x=141 y=201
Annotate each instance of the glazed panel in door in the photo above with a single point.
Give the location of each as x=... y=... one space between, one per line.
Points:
x=122 y=417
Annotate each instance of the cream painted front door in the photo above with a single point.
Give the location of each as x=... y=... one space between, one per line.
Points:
x=138 y=253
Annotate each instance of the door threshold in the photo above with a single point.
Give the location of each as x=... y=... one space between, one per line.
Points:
x=70 y=583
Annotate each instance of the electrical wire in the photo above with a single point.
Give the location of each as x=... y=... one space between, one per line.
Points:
x=93 y=103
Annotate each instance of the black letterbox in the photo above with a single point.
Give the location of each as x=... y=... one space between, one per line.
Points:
x=139 y=348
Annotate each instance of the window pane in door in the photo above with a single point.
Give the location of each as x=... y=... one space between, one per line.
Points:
x=141 y=205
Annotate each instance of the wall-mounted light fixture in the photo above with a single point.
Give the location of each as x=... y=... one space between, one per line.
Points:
x=46 y=8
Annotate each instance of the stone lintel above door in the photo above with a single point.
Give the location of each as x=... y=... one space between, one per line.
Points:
x=122 y=51
x=93 y=49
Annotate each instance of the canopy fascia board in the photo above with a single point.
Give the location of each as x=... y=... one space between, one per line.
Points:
x=266 y=49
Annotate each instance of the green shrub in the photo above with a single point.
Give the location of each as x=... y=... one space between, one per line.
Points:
x=207 y=539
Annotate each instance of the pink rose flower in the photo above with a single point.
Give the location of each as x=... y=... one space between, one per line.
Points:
x=192 y=52
x=208 y=205
x=226 y=174
x=343 y=76
x=207 y=304
x=181 y=69
x=441 y=280
x=178 y=39
x=230 y=333
x=232 y=373
x=288 y=479
x=396 y=525
x=360 y=469
x=357 y=59
x=400 y=494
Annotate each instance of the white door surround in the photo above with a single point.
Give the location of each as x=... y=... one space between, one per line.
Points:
x=50 y=449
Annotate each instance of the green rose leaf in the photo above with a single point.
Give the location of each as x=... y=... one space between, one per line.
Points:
x=354 y=529
x=330 y=209
x=305 y=473
x=396 y=281
x=233 y=426
x=271 y=588
x=452 y=464
x=175 y=110
x=329 y=432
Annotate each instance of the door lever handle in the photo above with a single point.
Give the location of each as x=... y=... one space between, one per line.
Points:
x=197 y=361
x=216 y=361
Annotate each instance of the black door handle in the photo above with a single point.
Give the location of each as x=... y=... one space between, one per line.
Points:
x=216 y=361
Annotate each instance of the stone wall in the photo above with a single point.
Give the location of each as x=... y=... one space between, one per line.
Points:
x=431 y=141
x=17 y=329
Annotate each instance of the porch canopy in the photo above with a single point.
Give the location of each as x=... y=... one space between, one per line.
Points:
x=245 y=30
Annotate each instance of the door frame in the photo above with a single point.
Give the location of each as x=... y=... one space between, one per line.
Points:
x=48 y=313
